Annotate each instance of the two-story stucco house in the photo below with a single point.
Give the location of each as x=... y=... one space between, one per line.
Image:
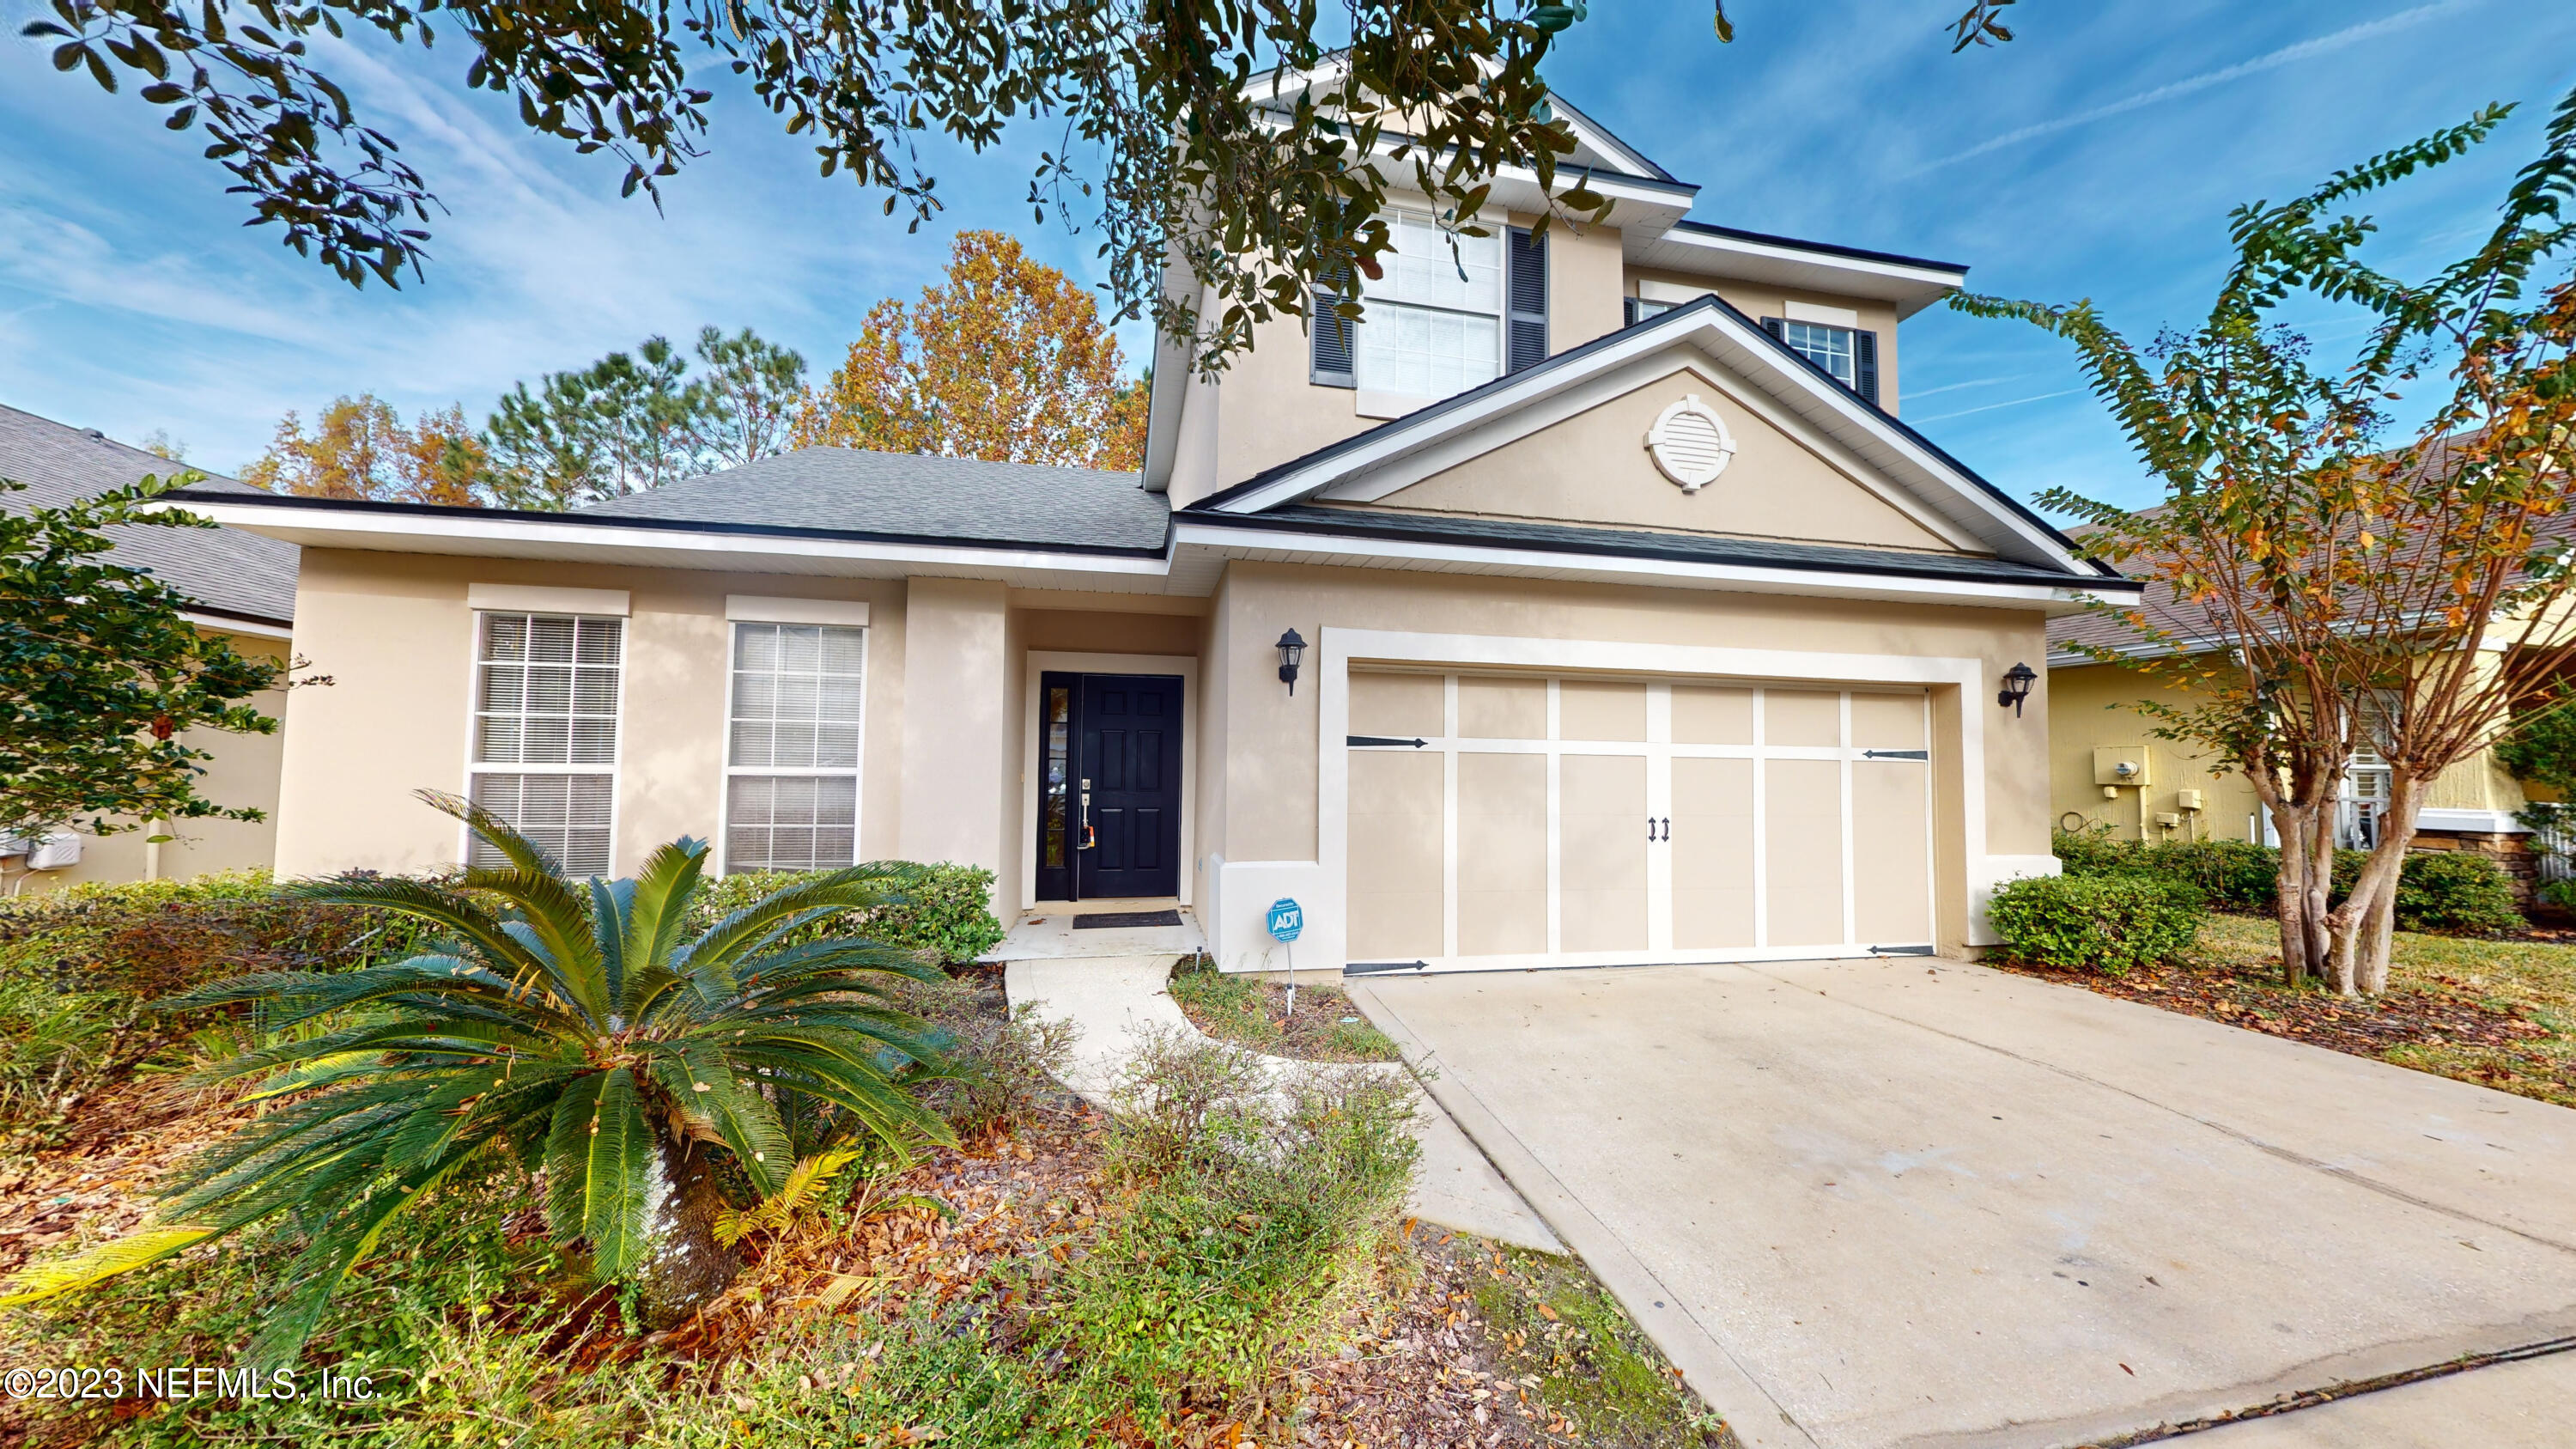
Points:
x=1635 y=628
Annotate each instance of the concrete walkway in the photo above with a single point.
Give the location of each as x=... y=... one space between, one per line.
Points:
x=1113 y=1000
x=1868 y=1204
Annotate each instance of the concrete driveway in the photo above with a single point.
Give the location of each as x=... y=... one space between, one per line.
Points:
x=1911 y=1203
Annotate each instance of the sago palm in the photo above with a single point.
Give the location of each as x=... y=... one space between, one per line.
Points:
x=580 y=1029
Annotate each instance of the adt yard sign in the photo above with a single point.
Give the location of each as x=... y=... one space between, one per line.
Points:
x=1287 y=918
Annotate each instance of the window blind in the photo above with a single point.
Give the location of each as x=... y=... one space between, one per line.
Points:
x=1330 y=338
x=793 y=747
x=545 y=733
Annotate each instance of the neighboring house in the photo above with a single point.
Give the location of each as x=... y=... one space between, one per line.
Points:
x=243 y=589
x=2173 y=792
x=1502 y=630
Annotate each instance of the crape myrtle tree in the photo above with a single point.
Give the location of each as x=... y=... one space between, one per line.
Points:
x=102 y=674
x=1200 y=149
x=2339 y=584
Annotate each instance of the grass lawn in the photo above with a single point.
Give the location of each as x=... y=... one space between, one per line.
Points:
x=2501 y=1014
x=1252 y=1011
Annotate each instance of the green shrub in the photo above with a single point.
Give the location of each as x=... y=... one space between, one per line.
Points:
x=2093 y=851
x=81 y=968
x=2437 y=890
x=2106 y=923
x=946 y=909
x=2459 y=891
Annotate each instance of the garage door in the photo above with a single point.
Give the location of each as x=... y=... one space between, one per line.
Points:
x=1506 y=821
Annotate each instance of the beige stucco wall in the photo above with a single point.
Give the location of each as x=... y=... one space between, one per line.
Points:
x=394 y=633
x=1758 y=302
x=1584 y=273
x=2090 y=709
x=1594 y=468
x=243 y=771
x=1265 y=808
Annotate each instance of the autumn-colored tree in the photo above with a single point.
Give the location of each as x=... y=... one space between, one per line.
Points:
x=1008 y=362
x=2322 y=595
x=360 y=448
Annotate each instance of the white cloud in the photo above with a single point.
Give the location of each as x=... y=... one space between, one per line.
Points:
x=2350 y=35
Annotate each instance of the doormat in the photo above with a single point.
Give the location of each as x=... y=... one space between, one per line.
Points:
x=1108 y=919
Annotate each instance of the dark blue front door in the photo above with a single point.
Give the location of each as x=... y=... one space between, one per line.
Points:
x=1127 y=786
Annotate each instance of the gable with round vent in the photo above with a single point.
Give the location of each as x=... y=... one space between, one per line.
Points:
x=1691 y=444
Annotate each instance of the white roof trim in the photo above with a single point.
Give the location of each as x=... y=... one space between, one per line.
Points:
x=1741 y=349
x=220 y=624
x=1290 y=546
x=466 y=532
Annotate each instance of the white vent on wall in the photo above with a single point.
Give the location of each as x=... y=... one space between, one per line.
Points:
x=1691 y=444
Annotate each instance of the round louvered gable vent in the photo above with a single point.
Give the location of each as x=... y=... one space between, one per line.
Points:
x=1691 y=444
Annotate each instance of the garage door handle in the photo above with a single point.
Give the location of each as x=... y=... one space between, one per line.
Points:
x=1652 y=823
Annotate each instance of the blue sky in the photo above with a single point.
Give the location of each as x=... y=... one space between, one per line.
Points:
x=2097 y=155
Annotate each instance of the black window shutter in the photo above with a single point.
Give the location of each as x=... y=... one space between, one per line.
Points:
x=1630 y=304
x=1332 y=341
x=1865 y=366
x=1526 y=278
x=1772 y=325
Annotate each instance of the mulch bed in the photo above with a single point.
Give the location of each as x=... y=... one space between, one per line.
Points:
x=2254 y=998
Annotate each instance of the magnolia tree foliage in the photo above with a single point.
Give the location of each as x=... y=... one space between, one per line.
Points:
x=1198 y=148
x=1007 y=361
x=102 y=674
x=2336 y=583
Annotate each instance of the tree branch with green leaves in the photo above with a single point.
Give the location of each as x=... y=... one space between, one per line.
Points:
x=1190 y=135
x=103 y=674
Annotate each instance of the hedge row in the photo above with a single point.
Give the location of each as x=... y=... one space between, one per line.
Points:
x=2437 y=890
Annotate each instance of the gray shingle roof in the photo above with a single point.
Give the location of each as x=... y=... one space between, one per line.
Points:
x=908 y=495
x=226 y=570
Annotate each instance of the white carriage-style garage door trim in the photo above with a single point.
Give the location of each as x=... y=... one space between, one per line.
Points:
x=1668 y=804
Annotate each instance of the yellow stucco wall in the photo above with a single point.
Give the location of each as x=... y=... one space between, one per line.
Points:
x=243 y=771
x=2088 y=710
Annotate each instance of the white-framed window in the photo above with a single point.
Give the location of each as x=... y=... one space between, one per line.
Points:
x=1830 y=348
x=546 y=694
x=1434 y=320
x=793 y=746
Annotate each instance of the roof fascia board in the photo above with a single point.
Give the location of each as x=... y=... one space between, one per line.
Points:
x=1470 y=443
x=1761 y=360
x=221 y=623
x=1841 y=258
x=390 y=531
x=1290 y=545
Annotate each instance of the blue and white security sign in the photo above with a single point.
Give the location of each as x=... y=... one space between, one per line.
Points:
x=1287 y=918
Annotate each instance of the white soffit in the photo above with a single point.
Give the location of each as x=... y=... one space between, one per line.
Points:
x=764 y=609
x=546 y=599
x=1908 y=286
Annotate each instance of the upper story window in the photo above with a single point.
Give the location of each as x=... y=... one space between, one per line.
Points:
x=1446 y=313
x=1849 y=355
x=1827 y=347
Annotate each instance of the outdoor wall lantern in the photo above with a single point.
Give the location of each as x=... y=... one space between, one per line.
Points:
x=1291 y=650
x=2017 y=683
